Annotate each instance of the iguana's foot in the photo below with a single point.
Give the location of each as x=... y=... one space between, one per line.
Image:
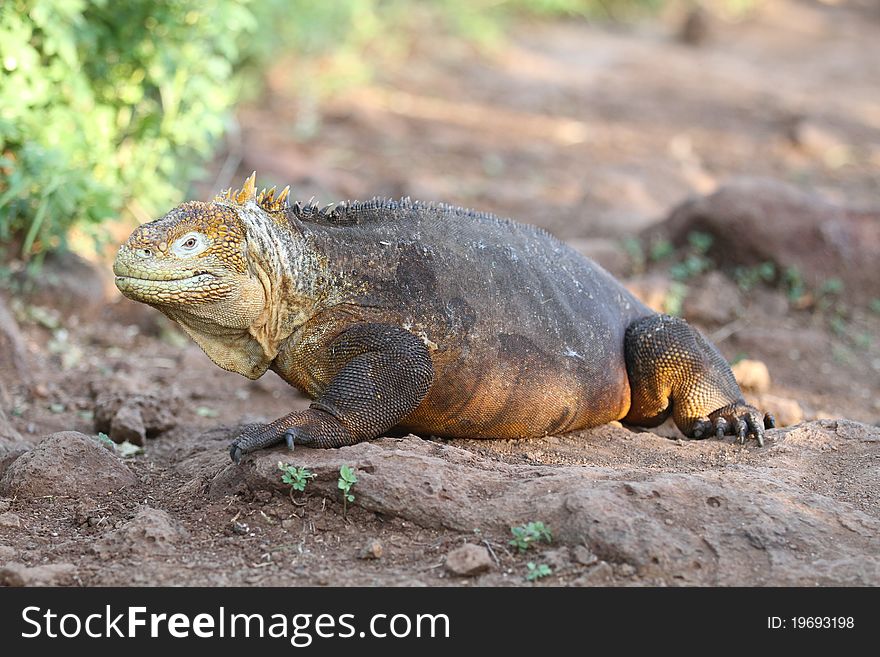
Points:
x=740 y=420
x=673 y=368
x=312 y=427
x=239 y=447
x=383 y=374
x=256 y=437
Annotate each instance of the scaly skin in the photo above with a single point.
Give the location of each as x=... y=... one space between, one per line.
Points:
x=398 y=315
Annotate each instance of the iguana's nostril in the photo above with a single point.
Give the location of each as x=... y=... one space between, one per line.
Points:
x=144 y=253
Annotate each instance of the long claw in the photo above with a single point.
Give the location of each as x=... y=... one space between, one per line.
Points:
x=755 y=429
x=742 y=421
x=741 y=430
x=296 y=436
x=235 y=453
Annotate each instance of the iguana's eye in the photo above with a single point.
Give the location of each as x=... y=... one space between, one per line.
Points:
x=190 y=245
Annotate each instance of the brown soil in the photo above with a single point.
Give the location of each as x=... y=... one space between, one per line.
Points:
x=594 y=133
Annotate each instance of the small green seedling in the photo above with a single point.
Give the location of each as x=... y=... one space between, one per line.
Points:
x=660 y=250
x=700 y=242
x=347 y=479
x=538 y=571
x=525 y=535
x=296 y=477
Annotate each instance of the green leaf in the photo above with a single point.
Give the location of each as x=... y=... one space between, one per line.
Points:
x=535 y=572
x=525 y=535
x=347 y=474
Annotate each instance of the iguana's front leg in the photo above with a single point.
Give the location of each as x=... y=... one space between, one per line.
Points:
x=379 y=374
x=672 y=368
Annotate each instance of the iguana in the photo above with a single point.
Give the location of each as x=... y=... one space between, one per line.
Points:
x=422 y=317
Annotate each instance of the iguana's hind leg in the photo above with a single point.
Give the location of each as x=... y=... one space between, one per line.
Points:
x=378 y=374
x=674 y=369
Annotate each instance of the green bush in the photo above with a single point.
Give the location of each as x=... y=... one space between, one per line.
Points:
x=102 y=103
x=109 y=107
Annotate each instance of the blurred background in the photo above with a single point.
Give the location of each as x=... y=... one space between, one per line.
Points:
x=591 y=117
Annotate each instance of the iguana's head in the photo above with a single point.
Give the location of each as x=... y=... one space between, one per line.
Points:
x=195 y=254
x=218 y=269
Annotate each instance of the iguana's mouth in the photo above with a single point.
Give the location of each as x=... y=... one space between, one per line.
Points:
x=198 y=287
x=159 y=277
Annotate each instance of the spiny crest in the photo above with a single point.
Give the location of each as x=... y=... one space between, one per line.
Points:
x=266 y=199
x=377 y=209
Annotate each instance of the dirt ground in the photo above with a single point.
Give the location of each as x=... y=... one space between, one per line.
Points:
x=594 y=132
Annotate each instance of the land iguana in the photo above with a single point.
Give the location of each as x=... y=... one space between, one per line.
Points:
x=425 y=318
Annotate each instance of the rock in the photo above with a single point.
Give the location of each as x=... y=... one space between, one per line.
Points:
x=626 y=570
x=786 y=411
x=713 y=300
x=753 y=221
x=56 y=574
x=9 y=519
x=373 y=549
x=705 y=513
x=468 y=560
x=602 y=574
x=134 y=415
x=127 y=424
x=558 y=559
x=583 y=555
x=151 y=531
x=66 y=463
x=7 y=553
x=752 y=375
